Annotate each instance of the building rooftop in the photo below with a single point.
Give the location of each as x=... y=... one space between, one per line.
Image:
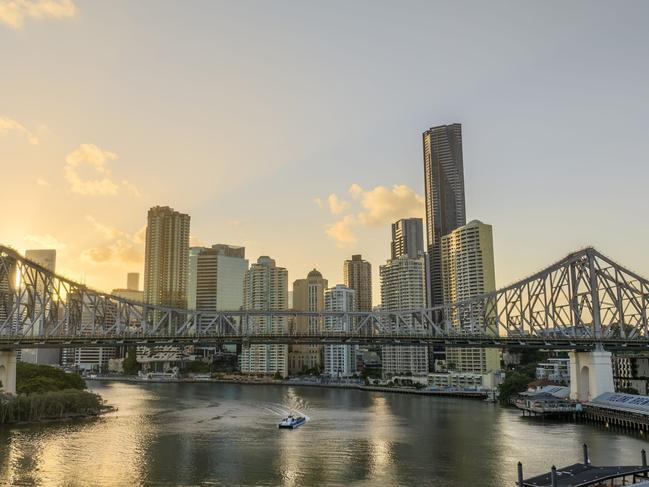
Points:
x=632 y=403
x=582 y=475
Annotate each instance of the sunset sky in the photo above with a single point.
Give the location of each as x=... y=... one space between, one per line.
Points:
x=294 y=128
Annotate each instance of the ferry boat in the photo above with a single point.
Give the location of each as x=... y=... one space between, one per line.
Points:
x=292 y=422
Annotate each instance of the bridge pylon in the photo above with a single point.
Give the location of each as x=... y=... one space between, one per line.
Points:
x=591 y=374
x=8 y=371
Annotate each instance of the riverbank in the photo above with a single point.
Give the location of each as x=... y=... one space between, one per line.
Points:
x=362 y=387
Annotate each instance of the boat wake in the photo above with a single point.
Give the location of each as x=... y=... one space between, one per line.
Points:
x=284 y=411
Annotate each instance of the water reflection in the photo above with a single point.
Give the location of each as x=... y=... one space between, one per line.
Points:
x=227 y=435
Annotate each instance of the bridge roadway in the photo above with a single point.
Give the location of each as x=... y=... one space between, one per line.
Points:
x=581 y=344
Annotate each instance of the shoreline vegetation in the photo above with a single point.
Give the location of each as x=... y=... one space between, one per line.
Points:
x=48 y=394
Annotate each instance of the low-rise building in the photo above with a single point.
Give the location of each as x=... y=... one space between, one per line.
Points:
x=466 y=380
x=555 y=370
x=631 y=372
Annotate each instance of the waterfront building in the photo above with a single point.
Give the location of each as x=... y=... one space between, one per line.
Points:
x=191 y=275
x=466 y=380
x=89 y=358
x=631 y=372
x=308 y=295
x=468 y=270
x=403 y=286
x=265 y=289
x=132 y=290
x=45 y=356
x=444 y=194
x=339 y=360
x=357 y=275
x=408 y=238
x=555 y=370
x=166 y=261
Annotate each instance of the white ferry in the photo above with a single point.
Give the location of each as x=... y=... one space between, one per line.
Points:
x=292 y=422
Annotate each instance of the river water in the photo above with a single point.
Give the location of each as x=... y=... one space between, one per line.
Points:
x=226 y=434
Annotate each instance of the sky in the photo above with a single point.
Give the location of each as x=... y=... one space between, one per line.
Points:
x=294 y=128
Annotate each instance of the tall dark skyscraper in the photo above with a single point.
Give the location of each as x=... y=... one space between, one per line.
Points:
x=445 y=207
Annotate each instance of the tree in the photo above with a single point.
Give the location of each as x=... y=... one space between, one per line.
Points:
x=515 y=382
x=130 y=365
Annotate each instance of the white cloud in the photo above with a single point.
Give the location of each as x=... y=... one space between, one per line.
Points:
x=14 y=12
x=386 y=205
x=9 y=125
x=97 y=159
x=318 y=201
x=376 y=207
x=342 y=230
x=336 y=205
x=45 y=241
x=119 y=246
x=42 y=182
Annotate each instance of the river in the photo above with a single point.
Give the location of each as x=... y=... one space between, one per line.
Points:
x=226 y=434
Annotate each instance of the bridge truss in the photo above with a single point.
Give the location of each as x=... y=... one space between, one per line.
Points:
x=583 y=301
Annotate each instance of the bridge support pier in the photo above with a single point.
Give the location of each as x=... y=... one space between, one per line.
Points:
x=8 y=371
x=591 y=374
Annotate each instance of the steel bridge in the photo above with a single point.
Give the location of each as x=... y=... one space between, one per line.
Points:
x=583 y=302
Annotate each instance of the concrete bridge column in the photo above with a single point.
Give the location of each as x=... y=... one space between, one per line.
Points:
x=591 y=374
x=8 y=371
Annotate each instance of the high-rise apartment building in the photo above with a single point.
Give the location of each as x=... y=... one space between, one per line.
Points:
x=444 y=191
x=166 y=261
x=468 y=270
x=265 y=289
x=339 y=360
x=308 y=295
x=358 y=276
x=166 y=258
x=47 y=259
x=403 y=287
x=408 y=238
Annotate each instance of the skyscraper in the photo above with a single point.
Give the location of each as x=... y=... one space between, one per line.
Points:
x=403 y=287
x=265 y=289
x=339 y=360
x=220 y=273
x=468 y=270
x=358 y=276
x=308 y=295
x=408 y=238
x=166 y=257
x=191 y=275
x=132 y=290
x=445 y=206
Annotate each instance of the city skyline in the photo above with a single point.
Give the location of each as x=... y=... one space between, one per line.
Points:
x=530 y=190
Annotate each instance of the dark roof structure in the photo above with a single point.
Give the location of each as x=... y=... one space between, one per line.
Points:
x=581 y=475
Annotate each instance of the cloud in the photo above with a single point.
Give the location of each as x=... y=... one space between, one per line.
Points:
x=376 y=207
x=43 y=183
x=119 y=246
x=97 y=159
x=318 y=201
x=342 y=230
x=45 y=241
x=336 y=205
x=386 y=205
x=9 y=125
x=14 y=12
